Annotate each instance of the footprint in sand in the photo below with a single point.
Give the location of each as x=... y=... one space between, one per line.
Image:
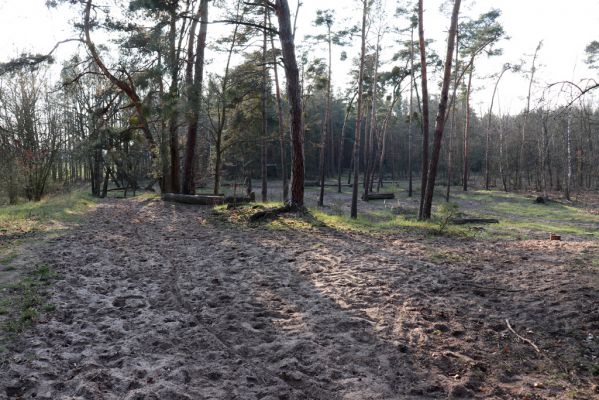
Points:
x=129 y=302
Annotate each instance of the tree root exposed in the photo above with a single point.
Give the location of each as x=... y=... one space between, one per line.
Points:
x=273 y=213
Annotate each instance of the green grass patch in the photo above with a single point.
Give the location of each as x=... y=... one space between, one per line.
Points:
x=7 y=258
x=373 y=221
x=4 y=307
x=25 y=301
x=240 y=214
x=21 y=222
x=28 y=217
x=146 y=195
x=49 y=308
x=384 y=221
x=548 y=228
x=520 y=216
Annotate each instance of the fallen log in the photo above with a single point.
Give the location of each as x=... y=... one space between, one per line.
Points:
x=464 y=221
x=204 y=200
x=379 y=196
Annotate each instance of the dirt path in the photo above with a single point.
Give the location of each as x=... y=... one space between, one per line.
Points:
x=159 y=301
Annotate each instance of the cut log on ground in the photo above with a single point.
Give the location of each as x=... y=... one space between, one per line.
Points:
x=379 y=196
x=464 y=221
x=204 y=200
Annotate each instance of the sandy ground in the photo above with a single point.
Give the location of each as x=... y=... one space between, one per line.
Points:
x=162 y=301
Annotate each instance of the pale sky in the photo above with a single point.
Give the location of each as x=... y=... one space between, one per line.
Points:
x=565 y=27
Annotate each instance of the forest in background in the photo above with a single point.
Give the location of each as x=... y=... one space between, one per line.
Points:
x=140 y=112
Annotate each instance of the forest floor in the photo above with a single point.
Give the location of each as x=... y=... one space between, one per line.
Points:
x=140 y=299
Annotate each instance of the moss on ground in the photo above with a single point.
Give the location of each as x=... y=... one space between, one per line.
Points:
x=23 y=302
x=35 y=216
x=519 y=216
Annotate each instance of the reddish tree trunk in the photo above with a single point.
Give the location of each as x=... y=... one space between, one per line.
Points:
x=194 y=95
x=281 y=121
x=263 y=147
x=354 y=201
x=440 y=121
x=372 y=132
x=410 y=169
x=175 y=181
x=295 y=103
x=425 y=111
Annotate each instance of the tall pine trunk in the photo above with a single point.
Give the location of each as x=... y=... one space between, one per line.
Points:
x=410 y=118
x=453 y=120
x=441 y=114
x=488 y=131
x=370 y=152
x=195 y=76
x=466 y=166
x=281 y=120
x=175 y=179
x=425 y=106
x=357 y=134
x=327 y=123
x=264 y=141
x=295 y=103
